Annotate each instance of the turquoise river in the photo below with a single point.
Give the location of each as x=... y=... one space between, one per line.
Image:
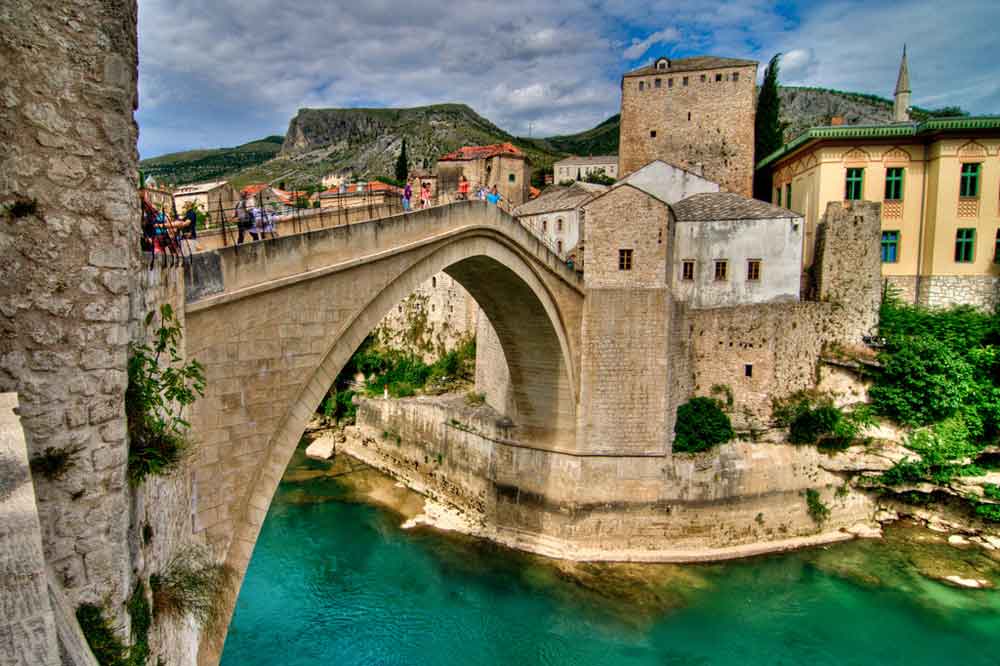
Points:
x=336 y=580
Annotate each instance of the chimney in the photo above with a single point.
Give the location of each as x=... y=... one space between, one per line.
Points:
x=837 y=120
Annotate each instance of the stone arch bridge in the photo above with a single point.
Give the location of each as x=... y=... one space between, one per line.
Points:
x=274 y=322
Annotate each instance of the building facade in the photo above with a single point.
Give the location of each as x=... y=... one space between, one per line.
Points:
x=209 y=197
x=502 y=165
x=693 y=112
x=938 y=184
x=668 y=182
x=578 y=168
x=554 y=216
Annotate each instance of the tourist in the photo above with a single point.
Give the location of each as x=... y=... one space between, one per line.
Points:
x=243 y=217
x=494 y=197
x=425 y=195
x=254 y=222
x=481 y=193
x=463 y=188
x=192 y=223
x=407 y=195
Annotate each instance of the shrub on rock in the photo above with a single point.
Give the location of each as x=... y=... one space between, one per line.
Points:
x=701 y=424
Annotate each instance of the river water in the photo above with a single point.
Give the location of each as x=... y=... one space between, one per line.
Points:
x=335 y=580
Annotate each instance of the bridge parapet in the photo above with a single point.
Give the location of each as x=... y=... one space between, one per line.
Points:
x=234 y=272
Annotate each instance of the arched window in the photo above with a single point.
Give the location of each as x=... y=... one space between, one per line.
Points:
x=559 y=246
x=545 y=225
x=662 y=63
x=434 y=283
x=559 y=224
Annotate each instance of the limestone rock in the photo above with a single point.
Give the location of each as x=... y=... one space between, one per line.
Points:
x=321 y=448
x=866 y=459
x=886 y=516
x=971 y=583
x=865 y=531
x=958 y=540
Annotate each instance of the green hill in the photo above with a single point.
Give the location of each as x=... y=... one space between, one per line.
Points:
x=194 y=166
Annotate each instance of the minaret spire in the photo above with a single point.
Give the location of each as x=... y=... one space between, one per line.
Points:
x=901 y=106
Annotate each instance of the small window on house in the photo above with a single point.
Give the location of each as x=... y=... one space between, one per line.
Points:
x=652 y=134
x=748 y=370
x=777 y=195
x=689 y=115
x=642 y=86
x=890 y=247
x=559 y=246
x=853 y=184
x=624 y=260
x=670 y=83
x=721 y=269
x=512 y=178
x=703 y=78
x=559 y=225
x=657 y=83
x=969 y=184
x=753 y=270
x=687 y=270
x=965 y=246
x=894 y=183
x=545 y=225
x=736 y=76
x=788 y=195
x=685 y=81
x=718 y=77
x=434 y=283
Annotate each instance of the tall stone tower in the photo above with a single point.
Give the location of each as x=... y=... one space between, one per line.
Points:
x=901 y=104
x=691 y=112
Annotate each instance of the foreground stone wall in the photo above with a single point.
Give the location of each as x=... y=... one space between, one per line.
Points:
x=737 y=500
x=68 y=155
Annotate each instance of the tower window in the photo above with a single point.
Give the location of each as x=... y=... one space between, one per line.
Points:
x=670 y=83
x=434 y=282
x=753 y=270
x=559 y=246
x=703 y=78
x=624 y=260
x=512 y=178
x=721 y=270
x=652 y=134
x=685 y=81
x=545 y=225
x=736 y=76
x=718 y=77
x=559 y=224
x=748 y=370
x=687 y=270
x=642 y=86
x=657 y=83
x=689 y=116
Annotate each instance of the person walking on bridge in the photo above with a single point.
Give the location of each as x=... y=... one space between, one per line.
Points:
x=494 y=197
x=407 y=195
x=463 y=188
x=425 y=195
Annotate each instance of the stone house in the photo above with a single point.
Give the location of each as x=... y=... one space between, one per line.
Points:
x=499 y=164
x=937 y=182
x=690 y=112
x=554 y=216
x=578 y=168
x=356 y=195
x=668 y=182
x=209 y=197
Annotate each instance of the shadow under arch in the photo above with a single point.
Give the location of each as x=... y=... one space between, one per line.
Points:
x=532 y=332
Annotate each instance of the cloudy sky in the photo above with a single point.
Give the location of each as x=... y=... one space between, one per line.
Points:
x=222 y=72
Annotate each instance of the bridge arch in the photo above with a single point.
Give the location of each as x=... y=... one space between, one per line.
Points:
x=533 y=311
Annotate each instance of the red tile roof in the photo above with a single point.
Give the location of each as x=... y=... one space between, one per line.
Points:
x=482 y=152
x=535 y=192
x=251 y=190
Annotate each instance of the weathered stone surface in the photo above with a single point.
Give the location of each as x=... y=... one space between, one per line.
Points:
x=322 y=447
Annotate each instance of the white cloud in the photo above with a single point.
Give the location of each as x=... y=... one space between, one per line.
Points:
x=639 y=48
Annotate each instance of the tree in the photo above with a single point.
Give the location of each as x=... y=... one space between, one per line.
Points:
x=402 y=164
x=767 y=126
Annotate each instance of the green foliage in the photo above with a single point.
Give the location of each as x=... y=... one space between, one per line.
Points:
x=203 y=165
x=990 y=512
x=339 y=405
x=599 y=178
x=193 y=585
x=142 y=619
x=701 y=424
x=812 y=418
x=945 y=450
x=768 y=134
x=475 y=399
x=818 y=511
x=156 y=397
x=992 y=491
x=103 y=641
x=402 y=163
x=53 y=463
x=404 y=374
x=724 y=393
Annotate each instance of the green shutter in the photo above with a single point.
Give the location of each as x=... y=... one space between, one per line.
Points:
x=853 y=187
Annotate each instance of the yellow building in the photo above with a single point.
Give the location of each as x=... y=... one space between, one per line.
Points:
x=939 y=185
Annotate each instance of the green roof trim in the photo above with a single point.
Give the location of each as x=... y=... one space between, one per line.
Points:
x=882 y=131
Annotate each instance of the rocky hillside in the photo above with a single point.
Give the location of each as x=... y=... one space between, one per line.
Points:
x=367 y=142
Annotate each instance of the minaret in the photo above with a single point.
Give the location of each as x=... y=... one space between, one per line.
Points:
x=901 y=106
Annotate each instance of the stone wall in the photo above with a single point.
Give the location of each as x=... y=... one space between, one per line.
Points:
x=434 y=319
x=708 y=123
x=737 y=500
x=981 y=291
x=68 y=154
x=492 y=373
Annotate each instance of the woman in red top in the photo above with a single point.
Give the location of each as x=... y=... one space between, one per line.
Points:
x=463 y=188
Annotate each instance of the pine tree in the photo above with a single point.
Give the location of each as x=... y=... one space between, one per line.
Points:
x=767 y=127
x=402 y=164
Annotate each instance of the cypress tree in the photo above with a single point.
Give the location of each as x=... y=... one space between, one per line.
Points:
x=402 y=164
x=767 y=127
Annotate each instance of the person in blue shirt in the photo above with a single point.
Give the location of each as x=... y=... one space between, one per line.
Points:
x=192 y=219
x=493 y=197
